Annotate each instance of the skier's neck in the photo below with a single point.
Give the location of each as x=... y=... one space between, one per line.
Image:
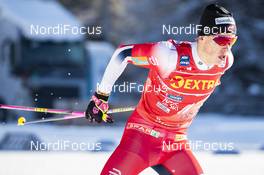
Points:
x=202 y=54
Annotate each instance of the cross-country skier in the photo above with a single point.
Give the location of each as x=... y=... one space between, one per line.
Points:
x=182 y=75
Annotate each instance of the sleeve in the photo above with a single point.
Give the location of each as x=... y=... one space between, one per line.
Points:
x=142 y=55
x=148 y=55
x=161 y=55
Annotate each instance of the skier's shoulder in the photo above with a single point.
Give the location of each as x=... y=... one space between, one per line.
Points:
x=159 y=44
x=172 y=44
x=166 y=44
x=166 y=55
x=165 y=48
x=181 y=44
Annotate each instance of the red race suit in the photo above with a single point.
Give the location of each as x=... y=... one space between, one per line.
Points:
x=178 y=84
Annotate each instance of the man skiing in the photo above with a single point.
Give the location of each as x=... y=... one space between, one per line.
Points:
x=182 y=75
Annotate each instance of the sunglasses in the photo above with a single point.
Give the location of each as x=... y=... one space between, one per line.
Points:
x=222 y=40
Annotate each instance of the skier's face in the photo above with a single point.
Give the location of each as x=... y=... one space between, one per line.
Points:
x=218 y=46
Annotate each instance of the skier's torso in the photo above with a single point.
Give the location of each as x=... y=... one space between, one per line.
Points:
x=174 y=100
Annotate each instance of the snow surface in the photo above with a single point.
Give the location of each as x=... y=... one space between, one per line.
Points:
x=245 y=133
x=40 y=163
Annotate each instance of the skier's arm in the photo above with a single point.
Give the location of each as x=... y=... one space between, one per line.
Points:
x=98 y=105
x=143 y=55
x=138 y=54
x=151 y=55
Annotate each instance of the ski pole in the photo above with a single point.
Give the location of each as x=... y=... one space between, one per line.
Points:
x=41 y=110
x=69 y=114
x=60 y=111
x=22 y=121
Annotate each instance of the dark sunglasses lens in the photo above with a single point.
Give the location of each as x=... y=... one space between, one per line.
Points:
x=223 y=41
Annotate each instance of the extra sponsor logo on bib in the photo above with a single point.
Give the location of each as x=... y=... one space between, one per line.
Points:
x=193 y=84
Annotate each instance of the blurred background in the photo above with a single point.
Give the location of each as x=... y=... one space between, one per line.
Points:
x=57 y=68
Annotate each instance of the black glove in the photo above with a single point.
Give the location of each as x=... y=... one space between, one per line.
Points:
x=97 y=109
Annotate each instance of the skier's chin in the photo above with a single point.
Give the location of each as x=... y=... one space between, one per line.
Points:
x=222 y=57
x=223 y=53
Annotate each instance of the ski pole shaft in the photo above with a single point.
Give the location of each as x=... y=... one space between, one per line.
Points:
x=22 y=121
x=41 y=110
x=61 y=111
x=69 y=114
